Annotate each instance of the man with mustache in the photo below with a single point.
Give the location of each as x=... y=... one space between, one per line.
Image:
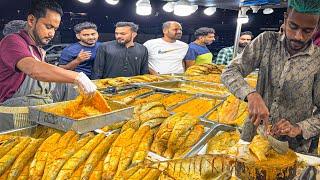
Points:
x=198 y=53
x=225 y=55
x=121 y=57
x=166 y=54
x=288 y=85
x=78 y=57
x=24 y=75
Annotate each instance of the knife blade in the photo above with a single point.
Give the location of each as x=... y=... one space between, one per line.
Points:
x=279 y=146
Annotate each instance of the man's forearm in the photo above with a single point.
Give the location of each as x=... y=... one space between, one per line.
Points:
x=46 y=72
x=71 y=65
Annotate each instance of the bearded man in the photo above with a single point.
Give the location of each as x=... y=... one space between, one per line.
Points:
x=122 y=57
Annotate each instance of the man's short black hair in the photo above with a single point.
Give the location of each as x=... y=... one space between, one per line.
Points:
x=203 y=31
x=246 y=33
x=85 y=25
x=134 y=27
x=39 y=8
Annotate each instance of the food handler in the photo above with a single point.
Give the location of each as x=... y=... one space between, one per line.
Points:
x=24 y=76
x=288 y=85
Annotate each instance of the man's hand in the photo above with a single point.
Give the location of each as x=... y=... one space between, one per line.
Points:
x=258 y=110
x=83 y=56
x=284 y=127
x=85 y=84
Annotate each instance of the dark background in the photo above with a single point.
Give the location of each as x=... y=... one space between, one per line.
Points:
x=105 y=16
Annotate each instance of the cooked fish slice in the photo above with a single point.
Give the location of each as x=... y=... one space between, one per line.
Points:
x=114 y=126
x=153 y=122
x=5 y=137
x=38 y=164
x=100 y=103
x=164 y=176
x=142 y=172
x=149 y=106
x=186 y=123
x=62 y=144
x=97 y=172
x=192 y=138
x=259 y=147
x=79 y=157
x=24 y=158
x=129 y=172
x=76 y=175
x=143 y=148
x=74 y=139
x=182 y=138
x=25 y=172
x=65 y=155
x=111 y=162
x=156 y=112
x=153 y=174
x=132 y=123
x=130 y=148
x=240 y=120
x=8 y=145
x=229 y=109
x=7 y=160
x=96 y=155
x=5 y=174
x=159 y=145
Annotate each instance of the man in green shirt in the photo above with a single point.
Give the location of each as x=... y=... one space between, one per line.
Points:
x=225 y=55
x=198 y=53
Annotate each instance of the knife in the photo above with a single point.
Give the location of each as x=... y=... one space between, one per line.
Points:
x=279 y=146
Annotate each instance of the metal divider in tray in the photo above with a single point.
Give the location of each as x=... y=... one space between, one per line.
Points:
x=179 y=85
x=120 y=112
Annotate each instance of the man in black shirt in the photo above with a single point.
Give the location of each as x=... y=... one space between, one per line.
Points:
x=121 y=57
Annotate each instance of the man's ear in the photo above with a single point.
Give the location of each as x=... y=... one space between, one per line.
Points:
x=134 y=35
x=78 y=36
x=31 y=20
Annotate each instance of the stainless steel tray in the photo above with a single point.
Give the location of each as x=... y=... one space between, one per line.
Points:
x=25 y=131
x=177 y=85
x=119 y=112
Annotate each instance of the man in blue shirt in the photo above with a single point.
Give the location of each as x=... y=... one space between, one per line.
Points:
x=198 y=53
x=78 y=57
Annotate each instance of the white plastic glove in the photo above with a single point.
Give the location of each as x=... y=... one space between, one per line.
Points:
x=85 y=84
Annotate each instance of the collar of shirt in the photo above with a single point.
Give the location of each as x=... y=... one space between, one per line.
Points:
x=24 y=34
x=124 y=46
x=308 y=51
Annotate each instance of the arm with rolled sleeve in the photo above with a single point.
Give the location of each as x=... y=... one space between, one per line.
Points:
x=311 y=126
x=99 y=62
x=242 y=65
x=145 y=65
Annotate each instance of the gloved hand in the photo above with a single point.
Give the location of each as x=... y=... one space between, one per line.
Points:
x=85 y=84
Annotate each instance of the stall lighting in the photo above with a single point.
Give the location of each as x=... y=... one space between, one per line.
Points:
x=184 y=8
x=84 y=1
x=209 y=11
x=112 y=2
x=268 y=11
x=243 y=19
x=143 y=7
x=168 y=7
x=255 y=9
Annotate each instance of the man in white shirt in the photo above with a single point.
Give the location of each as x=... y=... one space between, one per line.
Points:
x=166 y=54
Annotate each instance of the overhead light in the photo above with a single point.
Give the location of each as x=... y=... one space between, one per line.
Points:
x=112 y=2
x=268 y=11
x=243 y=19
x=143 y=7
x=168 y=7
x=209 y=11
x=84 y=1
x=184 y=8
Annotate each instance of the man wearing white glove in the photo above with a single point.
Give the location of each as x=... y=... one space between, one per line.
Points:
x=24 y=76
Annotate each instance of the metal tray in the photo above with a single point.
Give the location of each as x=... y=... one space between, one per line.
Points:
x=177 y=85
x=199 y=96
x=119 y=112
x=25 y=131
